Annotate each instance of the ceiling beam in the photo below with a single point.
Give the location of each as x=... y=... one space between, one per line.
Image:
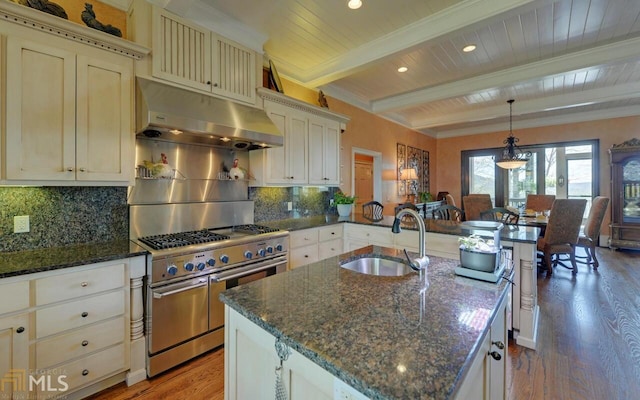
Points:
x=523 y=108
x=601 y=55
x=440 y=24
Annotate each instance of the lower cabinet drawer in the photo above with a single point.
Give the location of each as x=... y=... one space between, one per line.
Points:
x=75 y=314
x=303 y=255
x=303 y=237
x=82 y=372
x=330 y=232
x=79 y=342
x=329 y=249
x=80 y=283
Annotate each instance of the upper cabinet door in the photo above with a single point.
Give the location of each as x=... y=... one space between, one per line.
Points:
x=40 y=137
x=105 y=137
x=181 y=51
x=324 y=151
x=234 y=70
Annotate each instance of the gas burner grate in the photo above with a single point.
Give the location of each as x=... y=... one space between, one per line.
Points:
x=171 y=240
x=254 y=229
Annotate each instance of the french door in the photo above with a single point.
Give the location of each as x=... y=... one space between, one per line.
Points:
x=566 y=170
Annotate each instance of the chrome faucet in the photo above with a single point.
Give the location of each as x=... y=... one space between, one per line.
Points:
x=423 y=261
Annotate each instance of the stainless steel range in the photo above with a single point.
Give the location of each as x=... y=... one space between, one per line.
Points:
x=197 y=251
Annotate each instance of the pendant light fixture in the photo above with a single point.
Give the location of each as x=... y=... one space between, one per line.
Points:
x=512 y=156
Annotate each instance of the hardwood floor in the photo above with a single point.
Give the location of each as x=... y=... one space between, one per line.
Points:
x=588 y=343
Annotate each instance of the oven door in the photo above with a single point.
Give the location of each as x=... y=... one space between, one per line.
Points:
x=251 y=272
x=178 y=312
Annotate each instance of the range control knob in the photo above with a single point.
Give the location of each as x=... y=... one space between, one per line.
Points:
x=200 y=266
x=224 y=258
x=262 y=252
x=269 y=249
x=172 y=269
x=279 y=247
x=188 y=266
x=248 y=255
x=211 y=262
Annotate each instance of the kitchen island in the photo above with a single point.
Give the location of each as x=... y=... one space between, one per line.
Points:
x=385 y=337
x=442 y=240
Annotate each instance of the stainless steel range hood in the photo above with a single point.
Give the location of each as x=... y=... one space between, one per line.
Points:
x=173 y=114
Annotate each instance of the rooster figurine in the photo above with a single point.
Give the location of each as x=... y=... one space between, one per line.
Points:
x=89 y=18
x=44 y=5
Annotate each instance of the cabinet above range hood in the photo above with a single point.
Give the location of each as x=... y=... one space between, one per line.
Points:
x=173 y=114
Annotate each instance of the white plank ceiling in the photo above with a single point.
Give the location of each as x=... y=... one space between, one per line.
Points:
x=562 y=61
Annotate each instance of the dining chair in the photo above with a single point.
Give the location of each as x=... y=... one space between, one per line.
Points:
x=500 y=214
x=474 y=204
x=412 y=206
x=447 y=212
x=449 y=200
x=561 y=234
x=589 y=238
x=539 y=202
x=372 y=210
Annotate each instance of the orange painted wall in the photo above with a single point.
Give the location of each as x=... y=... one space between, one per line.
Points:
x=609 y=131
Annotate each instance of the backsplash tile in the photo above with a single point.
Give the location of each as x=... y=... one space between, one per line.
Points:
x=271 y=202
x=61 y=216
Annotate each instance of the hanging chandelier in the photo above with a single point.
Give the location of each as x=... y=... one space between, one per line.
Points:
x=512 y=156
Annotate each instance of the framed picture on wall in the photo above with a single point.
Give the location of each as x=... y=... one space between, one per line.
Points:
x=424 y=186
x=414 y=160
x=401 y=158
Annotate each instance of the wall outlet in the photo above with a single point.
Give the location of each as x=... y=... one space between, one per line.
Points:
x=331 y=202
x=21 y=224
x=289 y=206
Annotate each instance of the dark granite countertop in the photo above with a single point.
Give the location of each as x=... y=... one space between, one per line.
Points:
x=370 y=331
x=510 y=232
x=31 y=261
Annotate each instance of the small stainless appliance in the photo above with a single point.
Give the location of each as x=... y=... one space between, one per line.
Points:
x=197 y=251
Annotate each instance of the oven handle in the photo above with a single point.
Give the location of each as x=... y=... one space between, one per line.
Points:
x=157 y=295
x=248 y=270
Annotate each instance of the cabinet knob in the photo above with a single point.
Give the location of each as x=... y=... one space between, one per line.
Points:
x=85 y=343
x=208 y=82
x=84 y=314
x=498 y=344
x=215 y=85
x=83 y=170
x=495 y=355
x=306 y=256
x=69 y=169
x=85 y=372
x=84 y=284
x=20 y=329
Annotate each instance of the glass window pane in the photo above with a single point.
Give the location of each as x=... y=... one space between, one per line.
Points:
x=482 y=175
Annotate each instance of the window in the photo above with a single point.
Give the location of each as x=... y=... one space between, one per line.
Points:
x=566 y=170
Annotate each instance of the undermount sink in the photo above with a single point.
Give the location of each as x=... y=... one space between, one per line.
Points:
x=378 y=266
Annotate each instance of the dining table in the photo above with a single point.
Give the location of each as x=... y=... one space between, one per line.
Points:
x=539 y=221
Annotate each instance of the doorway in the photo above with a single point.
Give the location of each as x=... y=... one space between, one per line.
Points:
x=366 y=176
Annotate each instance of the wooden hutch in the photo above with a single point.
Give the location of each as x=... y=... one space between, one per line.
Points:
x=625 y=195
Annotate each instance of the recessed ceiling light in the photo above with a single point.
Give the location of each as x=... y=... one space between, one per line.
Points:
x=175 y=131
x=403 y=69
x=354 y=4
x=225 y=139
x=468 y=48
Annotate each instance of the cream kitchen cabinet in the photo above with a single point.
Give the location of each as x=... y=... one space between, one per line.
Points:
x=69 y=118
x=14 y=337
x=310 y=245
x=286 y=165
x=81 y=324
x=324 y=151
x=193 y=56
x=251 y=359
x=311 y=151
x=486 y=377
